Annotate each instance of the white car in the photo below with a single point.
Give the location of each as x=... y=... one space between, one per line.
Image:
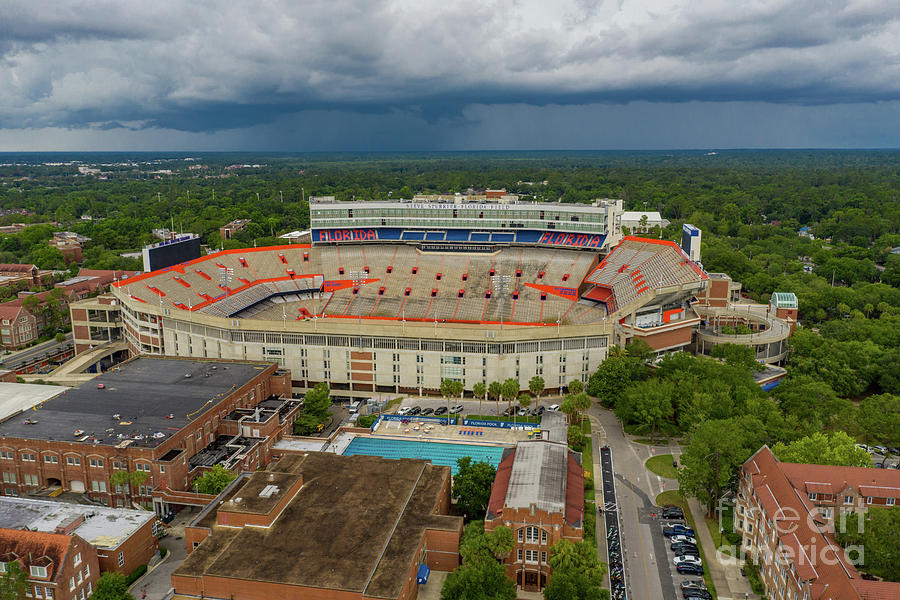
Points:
x=675 y=539
x=456 y=409
x=687 y=559
x=553 y=407
x=404 y=410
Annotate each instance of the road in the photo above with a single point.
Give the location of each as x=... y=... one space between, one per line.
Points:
x=18 y=359
x=635 y=495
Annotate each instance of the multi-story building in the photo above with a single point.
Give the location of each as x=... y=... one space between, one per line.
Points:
x=123 y=538
x=18 y=272
x=786 y=515
x=163 y=420
x=57 y=566
x=17 y=325
x=539 y=494
x=70 y=244
x=95 y=321
x=326 y=527
x=226 y=232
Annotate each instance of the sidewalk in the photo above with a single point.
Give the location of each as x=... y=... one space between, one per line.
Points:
x=716 y=570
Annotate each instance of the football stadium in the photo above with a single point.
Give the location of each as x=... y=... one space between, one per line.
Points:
x=397 y=296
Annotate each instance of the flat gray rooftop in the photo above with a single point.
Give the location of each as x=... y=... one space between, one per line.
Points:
x=102 y=527
x=144 y=393
x=16 y=397
x=538 y=476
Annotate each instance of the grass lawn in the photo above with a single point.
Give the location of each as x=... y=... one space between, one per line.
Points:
x=674 y=497
x=522 y=420
x=662 y=466
x=395 y=403
x=721 y=538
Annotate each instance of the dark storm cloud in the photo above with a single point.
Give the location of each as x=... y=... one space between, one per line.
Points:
x=211 y=66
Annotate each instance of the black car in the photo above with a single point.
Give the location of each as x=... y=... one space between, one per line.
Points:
x=693 y=593
x=440 y=410
x=689 y=569
x=427 y=411
x=415 y=410
x=540 y=410
x=673 y=513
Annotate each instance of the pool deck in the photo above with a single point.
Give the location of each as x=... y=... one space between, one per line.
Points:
x=491 y=436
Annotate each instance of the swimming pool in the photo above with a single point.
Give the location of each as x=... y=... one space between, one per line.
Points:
x=438 y=453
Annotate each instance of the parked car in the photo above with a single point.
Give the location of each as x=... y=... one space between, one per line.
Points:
x=673 y=512
x=440 y=410
x=404 y=410
x=689 y=569
x=540 y=411
x=427 y=411
x=522 y=412
x=686 y=550
x=678 y=539
x=880 y=450
x=456 y=409
x=677 y=529
x=415 y=410
x=693 y=584
x=553 y=407
x=688 y=560
x=697 y=595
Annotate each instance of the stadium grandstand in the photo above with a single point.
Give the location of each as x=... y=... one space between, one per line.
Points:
x=369 y=311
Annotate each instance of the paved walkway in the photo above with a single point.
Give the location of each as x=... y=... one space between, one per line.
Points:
x=158 y=581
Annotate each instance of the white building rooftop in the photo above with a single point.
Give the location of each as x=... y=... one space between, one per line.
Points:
x=102 y=527
x=18 y=397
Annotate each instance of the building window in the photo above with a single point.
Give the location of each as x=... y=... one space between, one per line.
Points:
x=869 y=500
x=890 y=501
x=71 y=583
x=73 y=460
x=120 y=559
x=38 y=571
x=812 y=496
x=519 y=555
x=543 y=557
x=848 y=499
x=6 y=455
x=27 y=456
x=543 y=536
x=51 y=458
x=531 y=556
x=48 y=593
x=162 y=468
x=532 y=535
x=87 y=571
x=38 y=592
x=77 y=560
x=9 y=477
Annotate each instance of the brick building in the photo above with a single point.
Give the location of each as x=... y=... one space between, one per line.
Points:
x=226 y=232
x=166 y=418
x=539 y=494
x=58 y=566
x=17 y=325
x=785 y=513
x=17 y=272
x=123 y=538
x=95 y=321
x=70 y=244
x=323 y=526
x=91 y=281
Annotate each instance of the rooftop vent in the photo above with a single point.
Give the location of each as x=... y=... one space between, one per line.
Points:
x=268 y=491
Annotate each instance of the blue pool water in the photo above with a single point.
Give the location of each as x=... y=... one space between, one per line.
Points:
x=437 y=452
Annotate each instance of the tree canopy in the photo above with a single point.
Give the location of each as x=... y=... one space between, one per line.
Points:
x=836 y=448
x=472 y=486
x=214 y=481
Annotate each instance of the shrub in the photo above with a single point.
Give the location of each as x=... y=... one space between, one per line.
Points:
x=588 y=483
x=366 y=421
x=136 y=574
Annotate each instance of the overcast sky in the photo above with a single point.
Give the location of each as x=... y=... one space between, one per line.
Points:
x=448 y=75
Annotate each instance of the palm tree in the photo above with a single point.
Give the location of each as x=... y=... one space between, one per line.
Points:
x=536 y=386
x=510 y=390
x=576 y=386
x=446 y=392
x=868 y=308
x=617 y=352
x=495 y=390
x=480 y=390
x=582 y=402
x=524 y=401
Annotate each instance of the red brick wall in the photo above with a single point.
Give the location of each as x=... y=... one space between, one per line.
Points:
x=137 y=550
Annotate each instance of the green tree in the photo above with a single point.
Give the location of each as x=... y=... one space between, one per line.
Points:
x=573 y=586
x=472 y=486
x=129 y=480
x=569 y=408
x=536 y=387
x=315 y=410
x=575 y=437
x=810 y=400
x=510 y=390
x=112 y=586
x=615 y=374
x=577 y=557
x=14 y=582
x=576 y=386
x=447 y=388
x=60 y=337
x=478 y=545
x=480 y=581
x=495 y=391
x=214 y=481
x=714 y=451
x=479 y=390
x=647 y=405
x=836 y=448
x=879 y=418
x=879 y=536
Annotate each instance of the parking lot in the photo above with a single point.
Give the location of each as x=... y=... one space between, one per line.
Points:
x=470 y=407
x=662 y=544
x=883 y=458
